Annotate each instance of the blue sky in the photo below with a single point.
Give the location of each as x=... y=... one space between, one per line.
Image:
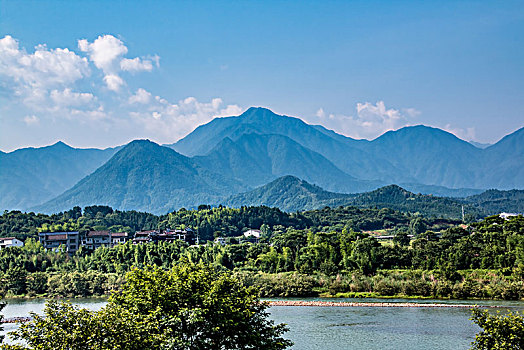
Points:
x=98 y=73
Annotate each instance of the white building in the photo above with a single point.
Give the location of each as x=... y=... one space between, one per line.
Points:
x=10 y=242
x=252 y=233
x=251 y=236
x=506 y=216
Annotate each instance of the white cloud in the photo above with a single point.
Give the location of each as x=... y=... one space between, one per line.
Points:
x=41 y=69
x=31 y=120
x=107 y=53
x=67 y=97
x=370 y=121
x=89 y=115
x=169 y=122
x=136 y=64
x=113 y=82
x=141 y=96
x=104 y=52
x=467 y=134
x=47 y=87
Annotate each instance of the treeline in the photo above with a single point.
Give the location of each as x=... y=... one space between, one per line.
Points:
x=485 y=260
x=219 y=221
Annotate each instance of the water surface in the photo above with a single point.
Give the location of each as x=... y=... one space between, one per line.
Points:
x=348 y=328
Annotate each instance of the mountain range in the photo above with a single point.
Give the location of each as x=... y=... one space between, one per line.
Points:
x=223 y=160
x=291 y=194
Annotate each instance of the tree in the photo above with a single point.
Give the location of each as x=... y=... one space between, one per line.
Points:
x=2 y=305
x=190 y=307
x=499 y=331
x=195 y=306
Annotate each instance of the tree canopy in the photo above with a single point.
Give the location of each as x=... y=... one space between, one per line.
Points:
x=190 y=307
x=499 y=331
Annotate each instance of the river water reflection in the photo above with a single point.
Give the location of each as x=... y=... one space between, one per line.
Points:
x=348 y=328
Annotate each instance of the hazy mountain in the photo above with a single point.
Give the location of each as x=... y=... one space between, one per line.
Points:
x=495 y=201
x=440 y=191
x=290 y=194
x=30 y=176
x=148 y=177
x=431 y=156
x=255 y=159
x=235 y=154
x=413 y=155
x=503 y=164
x=347 y=154
x=480 y=144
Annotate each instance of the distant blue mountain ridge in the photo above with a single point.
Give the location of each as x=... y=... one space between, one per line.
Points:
x=232 y=155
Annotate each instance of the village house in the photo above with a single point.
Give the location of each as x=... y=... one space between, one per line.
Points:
x=96 y=239
x=7 y=242
x=144 y=236
x=251 y=236
x=53 y=240
x=187 y=235
x=119 y=238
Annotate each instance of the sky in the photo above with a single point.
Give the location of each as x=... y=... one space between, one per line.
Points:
x=100 y=73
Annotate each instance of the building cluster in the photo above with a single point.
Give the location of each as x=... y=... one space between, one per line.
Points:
x=72 y=241
x=187 y=235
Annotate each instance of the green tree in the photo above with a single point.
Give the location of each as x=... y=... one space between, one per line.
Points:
x=194 y=306
x=2 y=305
x=499 y=332
x=190 y=307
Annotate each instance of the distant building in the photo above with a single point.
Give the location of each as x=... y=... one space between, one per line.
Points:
x=506 y=216
x=53 y=240
x=187 y=235
x=144 y=236
x=96 y=239
x=7 y=242
x=251 y=236
x=119 y=238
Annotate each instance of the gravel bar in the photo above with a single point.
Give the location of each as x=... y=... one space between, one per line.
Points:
x=349 y=304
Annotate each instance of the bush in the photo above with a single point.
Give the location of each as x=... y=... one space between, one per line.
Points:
x=499 y=332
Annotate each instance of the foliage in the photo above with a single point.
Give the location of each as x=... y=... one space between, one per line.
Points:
x=483 y=260
x=191 y=306
x=499 y=331
x=2 y=305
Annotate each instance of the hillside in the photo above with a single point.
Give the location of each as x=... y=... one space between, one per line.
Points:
x=347 y=154
x=30 y=176
x=431 y=156
x=289 y=194
x=147 y=177
x=292 y=194
x=418 y=155
x=256 y=159
x=235 y=154
x=495 y=201
x=508 y=157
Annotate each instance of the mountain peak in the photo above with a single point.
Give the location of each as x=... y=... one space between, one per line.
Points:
x=258 y=114
x=60 y=144
x=142 y=142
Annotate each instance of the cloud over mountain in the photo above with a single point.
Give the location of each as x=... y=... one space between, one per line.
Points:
x=88 y=92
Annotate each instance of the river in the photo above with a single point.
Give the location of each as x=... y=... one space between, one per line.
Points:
x=348 y=328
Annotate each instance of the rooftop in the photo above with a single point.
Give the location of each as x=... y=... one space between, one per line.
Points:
x=57 y=233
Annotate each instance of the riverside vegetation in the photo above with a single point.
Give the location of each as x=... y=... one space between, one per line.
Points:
x=323 y=252
x=190 y=307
